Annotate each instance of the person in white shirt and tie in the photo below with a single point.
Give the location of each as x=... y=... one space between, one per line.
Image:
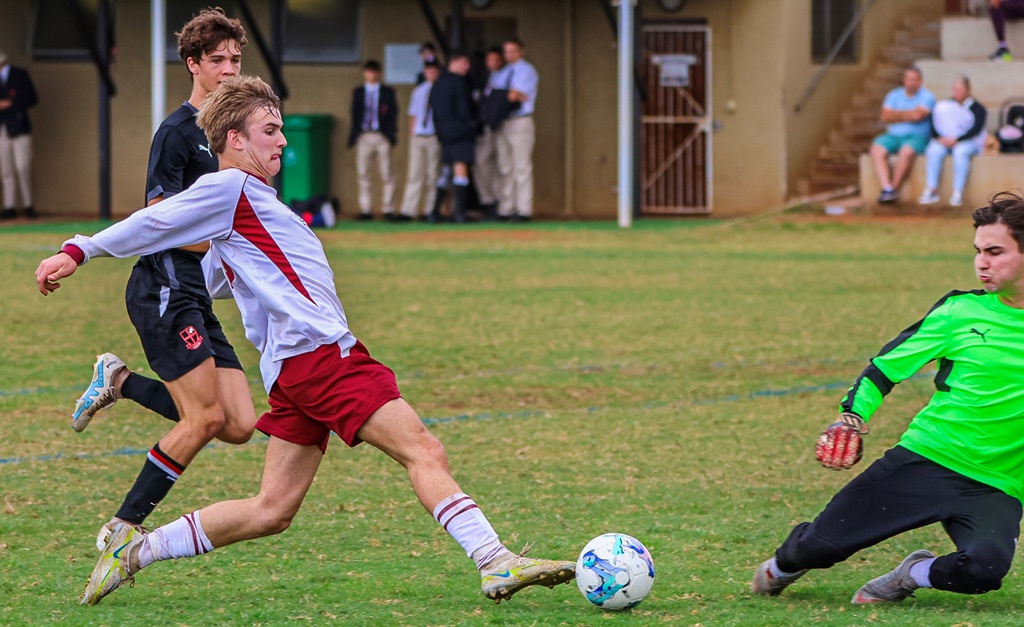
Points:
x=424 y=149
x=374 y=131
x=516 y=136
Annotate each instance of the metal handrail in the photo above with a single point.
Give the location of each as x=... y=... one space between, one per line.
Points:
x=827 y=63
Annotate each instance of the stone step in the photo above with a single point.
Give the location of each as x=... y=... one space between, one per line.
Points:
x=823 y=166
x=907 y=56
x=973 y=39
x=841 y=151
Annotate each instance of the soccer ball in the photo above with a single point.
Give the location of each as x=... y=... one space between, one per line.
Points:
x=615 y=571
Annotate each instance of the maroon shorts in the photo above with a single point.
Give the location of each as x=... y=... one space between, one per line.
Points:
x=321 y=391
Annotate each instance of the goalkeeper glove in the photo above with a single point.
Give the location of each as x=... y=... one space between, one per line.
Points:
x=839 y=446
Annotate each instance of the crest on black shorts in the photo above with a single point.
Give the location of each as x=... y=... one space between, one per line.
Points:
x=191 y=338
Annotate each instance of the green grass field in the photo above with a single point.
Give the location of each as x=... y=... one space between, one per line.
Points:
x=666 y=382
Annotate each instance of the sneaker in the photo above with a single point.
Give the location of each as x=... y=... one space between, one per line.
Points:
x=888 y=195
x=928 y=197
x=1001 y=54
x=769 y=585
x=893 y=586
x=107 y=529
x=956 y=200
x=100 y=394
x=509 y=573
x=117 y=565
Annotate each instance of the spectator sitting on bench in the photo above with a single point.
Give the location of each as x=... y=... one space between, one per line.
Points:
x=959 y=129
x=906 y=110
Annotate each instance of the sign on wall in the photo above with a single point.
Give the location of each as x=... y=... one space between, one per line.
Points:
x=675 y=69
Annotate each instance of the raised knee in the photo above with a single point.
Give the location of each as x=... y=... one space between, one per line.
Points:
x=273 y=521
x=984 y=566
x=209 y=423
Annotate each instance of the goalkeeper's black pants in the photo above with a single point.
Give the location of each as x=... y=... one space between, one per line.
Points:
x=904 y=491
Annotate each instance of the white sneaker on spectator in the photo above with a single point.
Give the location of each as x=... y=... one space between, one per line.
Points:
x=928 y=197
x=956 y=200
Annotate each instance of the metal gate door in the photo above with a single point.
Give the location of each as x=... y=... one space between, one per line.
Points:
x=676 y=120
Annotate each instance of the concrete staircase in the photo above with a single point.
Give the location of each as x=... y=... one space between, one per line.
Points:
x=837 y=164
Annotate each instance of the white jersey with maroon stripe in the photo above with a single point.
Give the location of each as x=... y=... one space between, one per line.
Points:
x=275 y=265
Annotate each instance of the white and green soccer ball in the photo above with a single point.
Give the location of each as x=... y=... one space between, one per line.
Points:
x=615 y=571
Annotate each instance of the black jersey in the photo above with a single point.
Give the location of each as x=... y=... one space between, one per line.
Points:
x=180 y=154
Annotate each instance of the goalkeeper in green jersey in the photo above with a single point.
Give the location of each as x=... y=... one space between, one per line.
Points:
x=961 y=460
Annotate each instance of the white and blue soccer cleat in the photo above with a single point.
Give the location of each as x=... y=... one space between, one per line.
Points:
x=100 y=394
x=117 y=565
x=509 y=573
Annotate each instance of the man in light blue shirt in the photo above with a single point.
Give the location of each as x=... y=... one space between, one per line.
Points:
x=907 y=111
x=516 y=136
x=424 y=149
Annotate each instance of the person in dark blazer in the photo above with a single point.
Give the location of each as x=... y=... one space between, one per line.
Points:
x=17 y=96
x=455 y=123
x=374 y=132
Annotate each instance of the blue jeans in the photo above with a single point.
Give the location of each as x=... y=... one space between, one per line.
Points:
x=962 y=152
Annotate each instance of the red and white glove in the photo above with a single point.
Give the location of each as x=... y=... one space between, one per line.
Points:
x=839 y=446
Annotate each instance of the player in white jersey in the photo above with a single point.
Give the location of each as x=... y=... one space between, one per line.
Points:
x=319 y=377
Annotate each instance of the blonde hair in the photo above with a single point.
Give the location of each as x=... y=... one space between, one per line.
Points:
x=229 y=108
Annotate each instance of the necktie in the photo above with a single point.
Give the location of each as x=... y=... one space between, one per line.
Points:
x=425 y=122
x=373 y=111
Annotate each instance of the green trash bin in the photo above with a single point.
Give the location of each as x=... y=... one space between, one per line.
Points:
x=306 y=162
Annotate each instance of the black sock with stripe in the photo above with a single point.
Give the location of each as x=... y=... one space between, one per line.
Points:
x=158 y=476
x=151 y=394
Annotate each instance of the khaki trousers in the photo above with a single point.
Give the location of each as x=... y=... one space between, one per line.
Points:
x=486 y=174
x=16 y=167
x=424 y=168
x=368 y=146
x=515 y=160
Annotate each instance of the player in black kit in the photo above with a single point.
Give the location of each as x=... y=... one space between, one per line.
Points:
x=202 y=387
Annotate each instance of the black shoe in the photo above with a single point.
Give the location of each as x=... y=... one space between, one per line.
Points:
x=459 y=204
x=8 y=214
x=364 y=217
x=1001 y=54
x=30 y=213
x=519 y=218
x=504 y=218
x=401 y=217
x=888 y=195
x=490 y=212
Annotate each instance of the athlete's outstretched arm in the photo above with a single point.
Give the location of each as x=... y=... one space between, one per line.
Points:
x=201 y=213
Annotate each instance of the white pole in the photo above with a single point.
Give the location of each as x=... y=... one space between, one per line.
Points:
x=625 y=113
x=158 y=65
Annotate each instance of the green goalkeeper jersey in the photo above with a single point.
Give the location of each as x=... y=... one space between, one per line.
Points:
x=974 y=423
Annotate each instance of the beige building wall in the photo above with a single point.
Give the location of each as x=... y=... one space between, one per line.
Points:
x=760 y=64
x=808 y=129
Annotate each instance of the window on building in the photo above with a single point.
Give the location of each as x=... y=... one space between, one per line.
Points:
x=62 y=29
x=322 y=32
x=829 y=18
x=315 y=31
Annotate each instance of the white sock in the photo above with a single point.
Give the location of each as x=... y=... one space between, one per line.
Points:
x=182 y=538
x=461 y=181
x=777 y=572
x=460 y=516
x=920 y=573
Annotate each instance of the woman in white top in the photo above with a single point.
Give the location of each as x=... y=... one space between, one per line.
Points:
x=958 y=128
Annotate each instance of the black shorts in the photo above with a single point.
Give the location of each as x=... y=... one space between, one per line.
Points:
x=458 y=152
x=177 y=327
